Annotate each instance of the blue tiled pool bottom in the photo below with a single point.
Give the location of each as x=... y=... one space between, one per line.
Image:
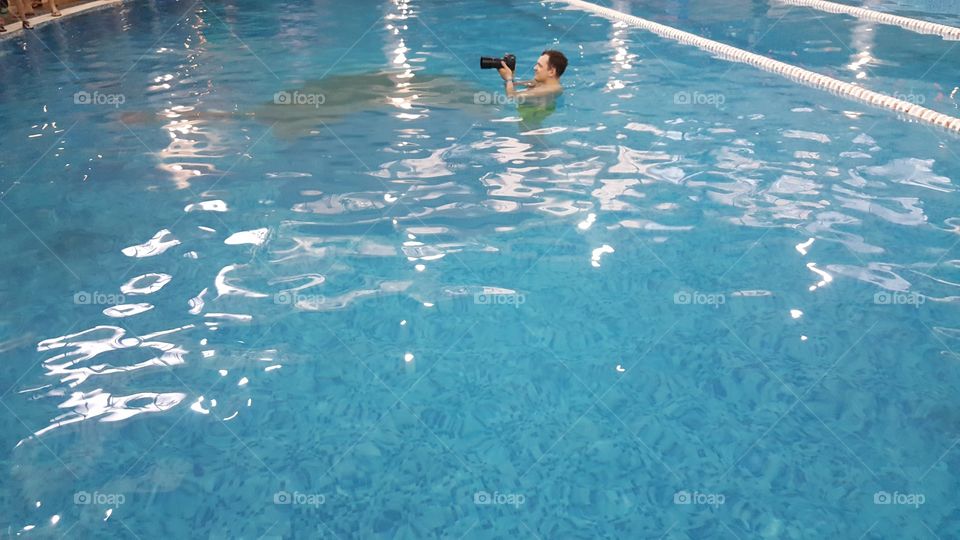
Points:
x=691 y=300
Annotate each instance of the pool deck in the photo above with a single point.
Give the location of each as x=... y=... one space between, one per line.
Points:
x=15 y=28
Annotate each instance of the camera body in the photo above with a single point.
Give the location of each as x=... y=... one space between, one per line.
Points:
x=489 y=62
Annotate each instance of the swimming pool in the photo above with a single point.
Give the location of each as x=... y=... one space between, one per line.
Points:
x=695 y=300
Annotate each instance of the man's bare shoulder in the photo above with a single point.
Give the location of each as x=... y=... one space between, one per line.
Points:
x=543 y=90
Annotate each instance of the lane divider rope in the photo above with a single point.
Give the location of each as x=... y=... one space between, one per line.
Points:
x=951 y=33
x=788 y=71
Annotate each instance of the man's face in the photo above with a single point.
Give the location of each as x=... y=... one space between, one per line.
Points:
x=542 y=70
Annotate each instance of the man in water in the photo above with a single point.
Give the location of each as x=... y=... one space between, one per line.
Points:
x=546 y=76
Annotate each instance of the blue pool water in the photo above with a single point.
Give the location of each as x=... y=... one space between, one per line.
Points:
x=694 y=300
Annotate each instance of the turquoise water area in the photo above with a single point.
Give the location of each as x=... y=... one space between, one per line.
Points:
x=690 y=300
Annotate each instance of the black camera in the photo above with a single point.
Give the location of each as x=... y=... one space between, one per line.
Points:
x=487 y=62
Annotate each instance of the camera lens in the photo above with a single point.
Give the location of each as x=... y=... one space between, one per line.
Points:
x=489 y=62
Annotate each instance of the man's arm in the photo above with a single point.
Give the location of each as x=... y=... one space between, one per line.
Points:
x=507 y=75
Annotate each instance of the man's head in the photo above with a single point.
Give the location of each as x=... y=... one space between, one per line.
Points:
x=550 y=65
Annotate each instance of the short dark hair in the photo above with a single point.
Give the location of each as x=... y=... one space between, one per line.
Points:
x=556 y=60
